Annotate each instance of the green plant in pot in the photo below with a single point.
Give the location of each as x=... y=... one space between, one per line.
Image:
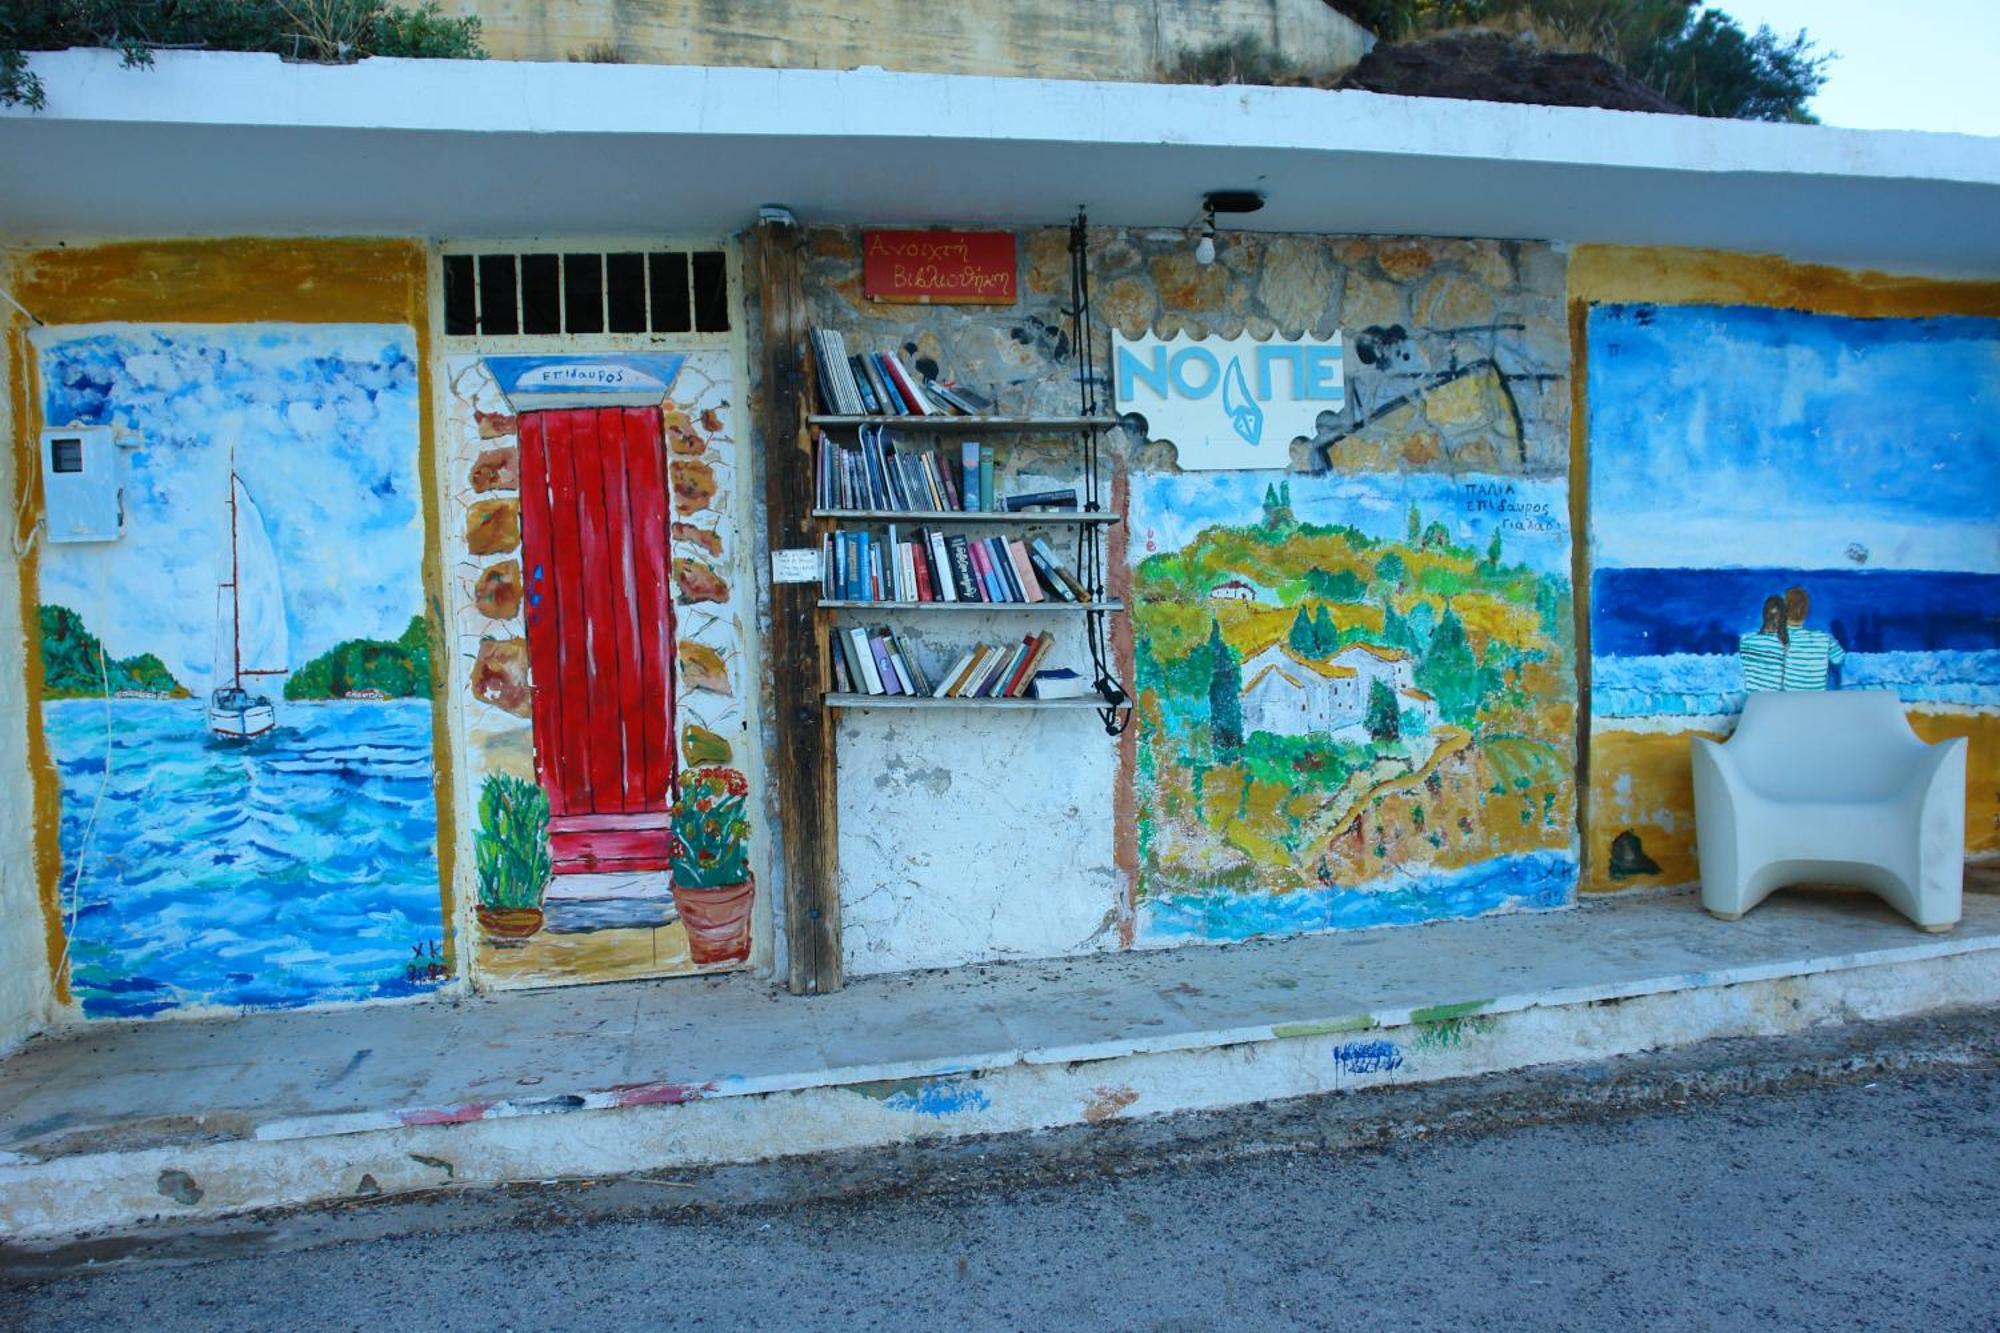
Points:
x=710 y=853
x=511 y=854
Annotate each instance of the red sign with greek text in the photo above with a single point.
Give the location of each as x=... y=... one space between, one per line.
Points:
x=938 y=267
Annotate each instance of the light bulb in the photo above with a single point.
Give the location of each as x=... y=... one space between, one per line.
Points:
x=1204 y=250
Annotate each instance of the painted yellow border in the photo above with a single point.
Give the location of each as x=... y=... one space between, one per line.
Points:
x=1600 y=274
x=241 y=281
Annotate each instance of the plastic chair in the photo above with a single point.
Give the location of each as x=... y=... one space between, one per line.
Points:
x=1831 y=788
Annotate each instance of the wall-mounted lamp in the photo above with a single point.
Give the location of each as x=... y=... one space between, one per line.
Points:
x=1222 y=201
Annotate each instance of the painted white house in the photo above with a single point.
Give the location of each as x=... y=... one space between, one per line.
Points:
x=1232 y=590
x=1287 y=694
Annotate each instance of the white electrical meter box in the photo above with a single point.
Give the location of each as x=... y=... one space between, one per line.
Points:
x=80 y=485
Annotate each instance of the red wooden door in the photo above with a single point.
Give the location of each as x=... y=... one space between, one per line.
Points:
x=600 y=633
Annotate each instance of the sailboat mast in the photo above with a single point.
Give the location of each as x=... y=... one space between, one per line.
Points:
x=235 y=587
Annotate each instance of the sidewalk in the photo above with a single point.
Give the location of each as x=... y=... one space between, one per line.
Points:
x=110 y=1125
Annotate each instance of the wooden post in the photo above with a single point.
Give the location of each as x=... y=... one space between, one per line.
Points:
x=808 y=832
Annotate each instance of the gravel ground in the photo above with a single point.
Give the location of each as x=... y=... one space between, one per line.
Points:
x=1872 y=1202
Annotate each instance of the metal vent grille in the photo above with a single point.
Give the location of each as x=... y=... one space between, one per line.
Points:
x=658 y=291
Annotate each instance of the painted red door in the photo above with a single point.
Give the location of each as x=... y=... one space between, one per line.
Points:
x=600 y=633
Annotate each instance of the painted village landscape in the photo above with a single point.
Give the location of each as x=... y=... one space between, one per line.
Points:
x=1355 y=697
x=236 y=694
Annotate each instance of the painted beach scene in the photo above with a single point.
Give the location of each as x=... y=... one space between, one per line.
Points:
x=236 y=692
x=1782 y=500
x=1355 y=700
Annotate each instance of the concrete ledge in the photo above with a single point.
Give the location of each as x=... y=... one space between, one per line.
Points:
x=114 y=1125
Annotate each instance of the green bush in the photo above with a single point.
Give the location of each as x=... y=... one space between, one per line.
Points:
x=327 y=31
x=511 y=849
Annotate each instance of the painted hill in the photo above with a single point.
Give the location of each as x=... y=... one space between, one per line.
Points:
x=73 y=665
x=368 y=669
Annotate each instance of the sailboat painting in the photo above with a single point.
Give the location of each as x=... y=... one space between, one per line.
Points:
x=234 y=712
x=236 y=694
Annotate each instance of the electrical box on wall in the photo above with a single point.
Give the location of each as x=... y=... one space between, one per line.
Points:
x=80 y=490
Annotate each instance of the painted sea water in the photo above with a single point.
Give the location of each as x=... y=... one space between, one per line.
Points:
x=298 y=868
x=1520 y=882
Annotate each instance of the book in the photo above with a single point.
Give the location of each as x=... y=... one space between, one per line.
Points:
x=837 y=660
x=906 y=385
x=1003 y=566
x=1002 y=669
x=971 y=401
x=952 y=674
x=863 y=661
x=1038 y=648
x=885 y=666
x=986 y=478
x=940 y=566
x=908 y=666
x=875 y=384
x=975 y=671
x=951 y=397
x=1061 y=683
x=1024 y=573
x=1014 y=504
x=1046 y=574
x=989 y=578
x=855 y=368
x=970 y=589
x=1068 y=581
x=968 y=455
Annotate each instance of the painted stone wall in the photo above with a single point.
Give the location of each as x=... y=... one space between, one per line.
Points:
x=574 y=918
x=1046 y=837
x=1740 y=447
x=236 y=692
x=230 y=732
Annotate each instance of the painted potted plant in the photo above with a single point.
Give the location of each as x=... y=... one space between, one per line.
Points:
x=710 y=851
x=511 y=854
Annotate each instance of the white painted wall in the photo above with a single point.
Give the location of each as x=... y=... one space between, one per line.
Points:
x=27 y=1002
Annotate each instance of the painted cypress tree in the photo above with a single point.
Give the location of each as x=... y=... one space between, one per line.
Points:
x=1383 y=721
x=1450 y=671
x=1326 y=639
x=1225 y=693
x=1493 y=550
x=1302 y=639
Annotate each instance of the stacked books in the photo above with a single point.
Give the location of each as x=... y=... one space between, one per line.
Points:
x=886 y=473
x=864 y=566
x=883 y=384
x=875 y=662
x=878 y=662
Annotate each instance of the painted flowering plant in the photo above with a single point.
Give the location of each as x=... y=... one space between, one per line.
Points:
x=710 y=843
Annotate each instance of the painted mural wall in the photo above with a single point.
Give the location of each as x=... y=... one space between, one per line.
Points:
x=236 y=693
x=600 y=594
x=1848 y=468
x=1456 y=404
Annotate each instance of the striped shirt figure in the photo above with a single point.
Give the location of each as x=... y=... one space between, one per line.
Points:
x=1810 y=654
x=1763 y=653
x=1763 y=658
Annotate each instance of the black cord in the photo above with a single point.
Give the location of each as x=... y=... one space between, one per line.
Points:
x=1117 y=714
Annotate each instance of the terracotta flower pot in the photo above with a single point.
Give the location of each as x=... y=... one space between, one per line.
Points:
x=717 y=920
x=509 y=923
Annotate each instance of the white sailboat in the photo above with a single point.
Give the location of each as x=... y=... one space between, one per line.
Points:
x=249 y=623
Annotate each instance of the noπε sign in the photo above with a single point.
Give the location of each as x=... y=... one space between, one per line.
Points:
x=938 y=267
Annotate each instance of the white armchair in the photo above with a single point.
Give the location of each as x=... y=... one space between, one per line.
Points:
x=1831 y=788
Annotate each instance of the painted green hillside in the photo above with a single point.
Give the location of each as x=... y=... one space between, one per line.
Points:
x=73 y=665
x=368 y=668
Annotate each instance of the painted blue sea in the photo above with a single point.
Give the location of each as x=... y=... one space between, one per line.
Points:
x=1527 y=881
x=297 y=869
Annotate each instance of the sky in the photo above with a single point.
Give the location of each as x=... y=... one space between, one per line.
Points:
x=1911 y=65
x=1737 y=437
x=323 y=421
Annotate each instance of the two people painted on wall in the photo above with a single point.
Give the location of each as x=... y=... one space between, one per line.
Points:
x=1783 y=654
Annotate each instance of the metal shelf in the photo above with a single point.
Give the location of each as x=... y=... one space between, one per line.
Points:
x=1014 y=425
x=835 y=605
x=839 y=700
x=1023 y=516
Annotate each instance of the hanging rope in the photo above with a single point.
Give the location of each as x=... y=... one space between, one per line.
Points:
x=1117 y=713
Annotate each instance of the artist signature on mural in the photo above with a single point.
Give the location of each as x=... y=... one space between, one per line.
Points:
x=426 y=965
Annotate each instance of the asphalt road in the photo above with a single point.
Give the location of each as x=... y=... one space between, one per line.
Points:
x=1870 y=1205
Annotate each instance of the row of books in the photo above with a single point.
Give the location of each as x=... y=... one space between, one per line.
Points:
x=877 y=662
x=863 y=566
x=884 y=473
x=883 y=384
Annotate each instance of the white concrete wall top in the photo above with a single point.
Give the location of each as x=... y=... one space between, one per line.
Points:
x=214 y=143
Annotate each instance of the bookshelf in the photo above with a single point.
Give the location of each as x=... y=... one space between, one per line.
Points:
x=881 y=475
